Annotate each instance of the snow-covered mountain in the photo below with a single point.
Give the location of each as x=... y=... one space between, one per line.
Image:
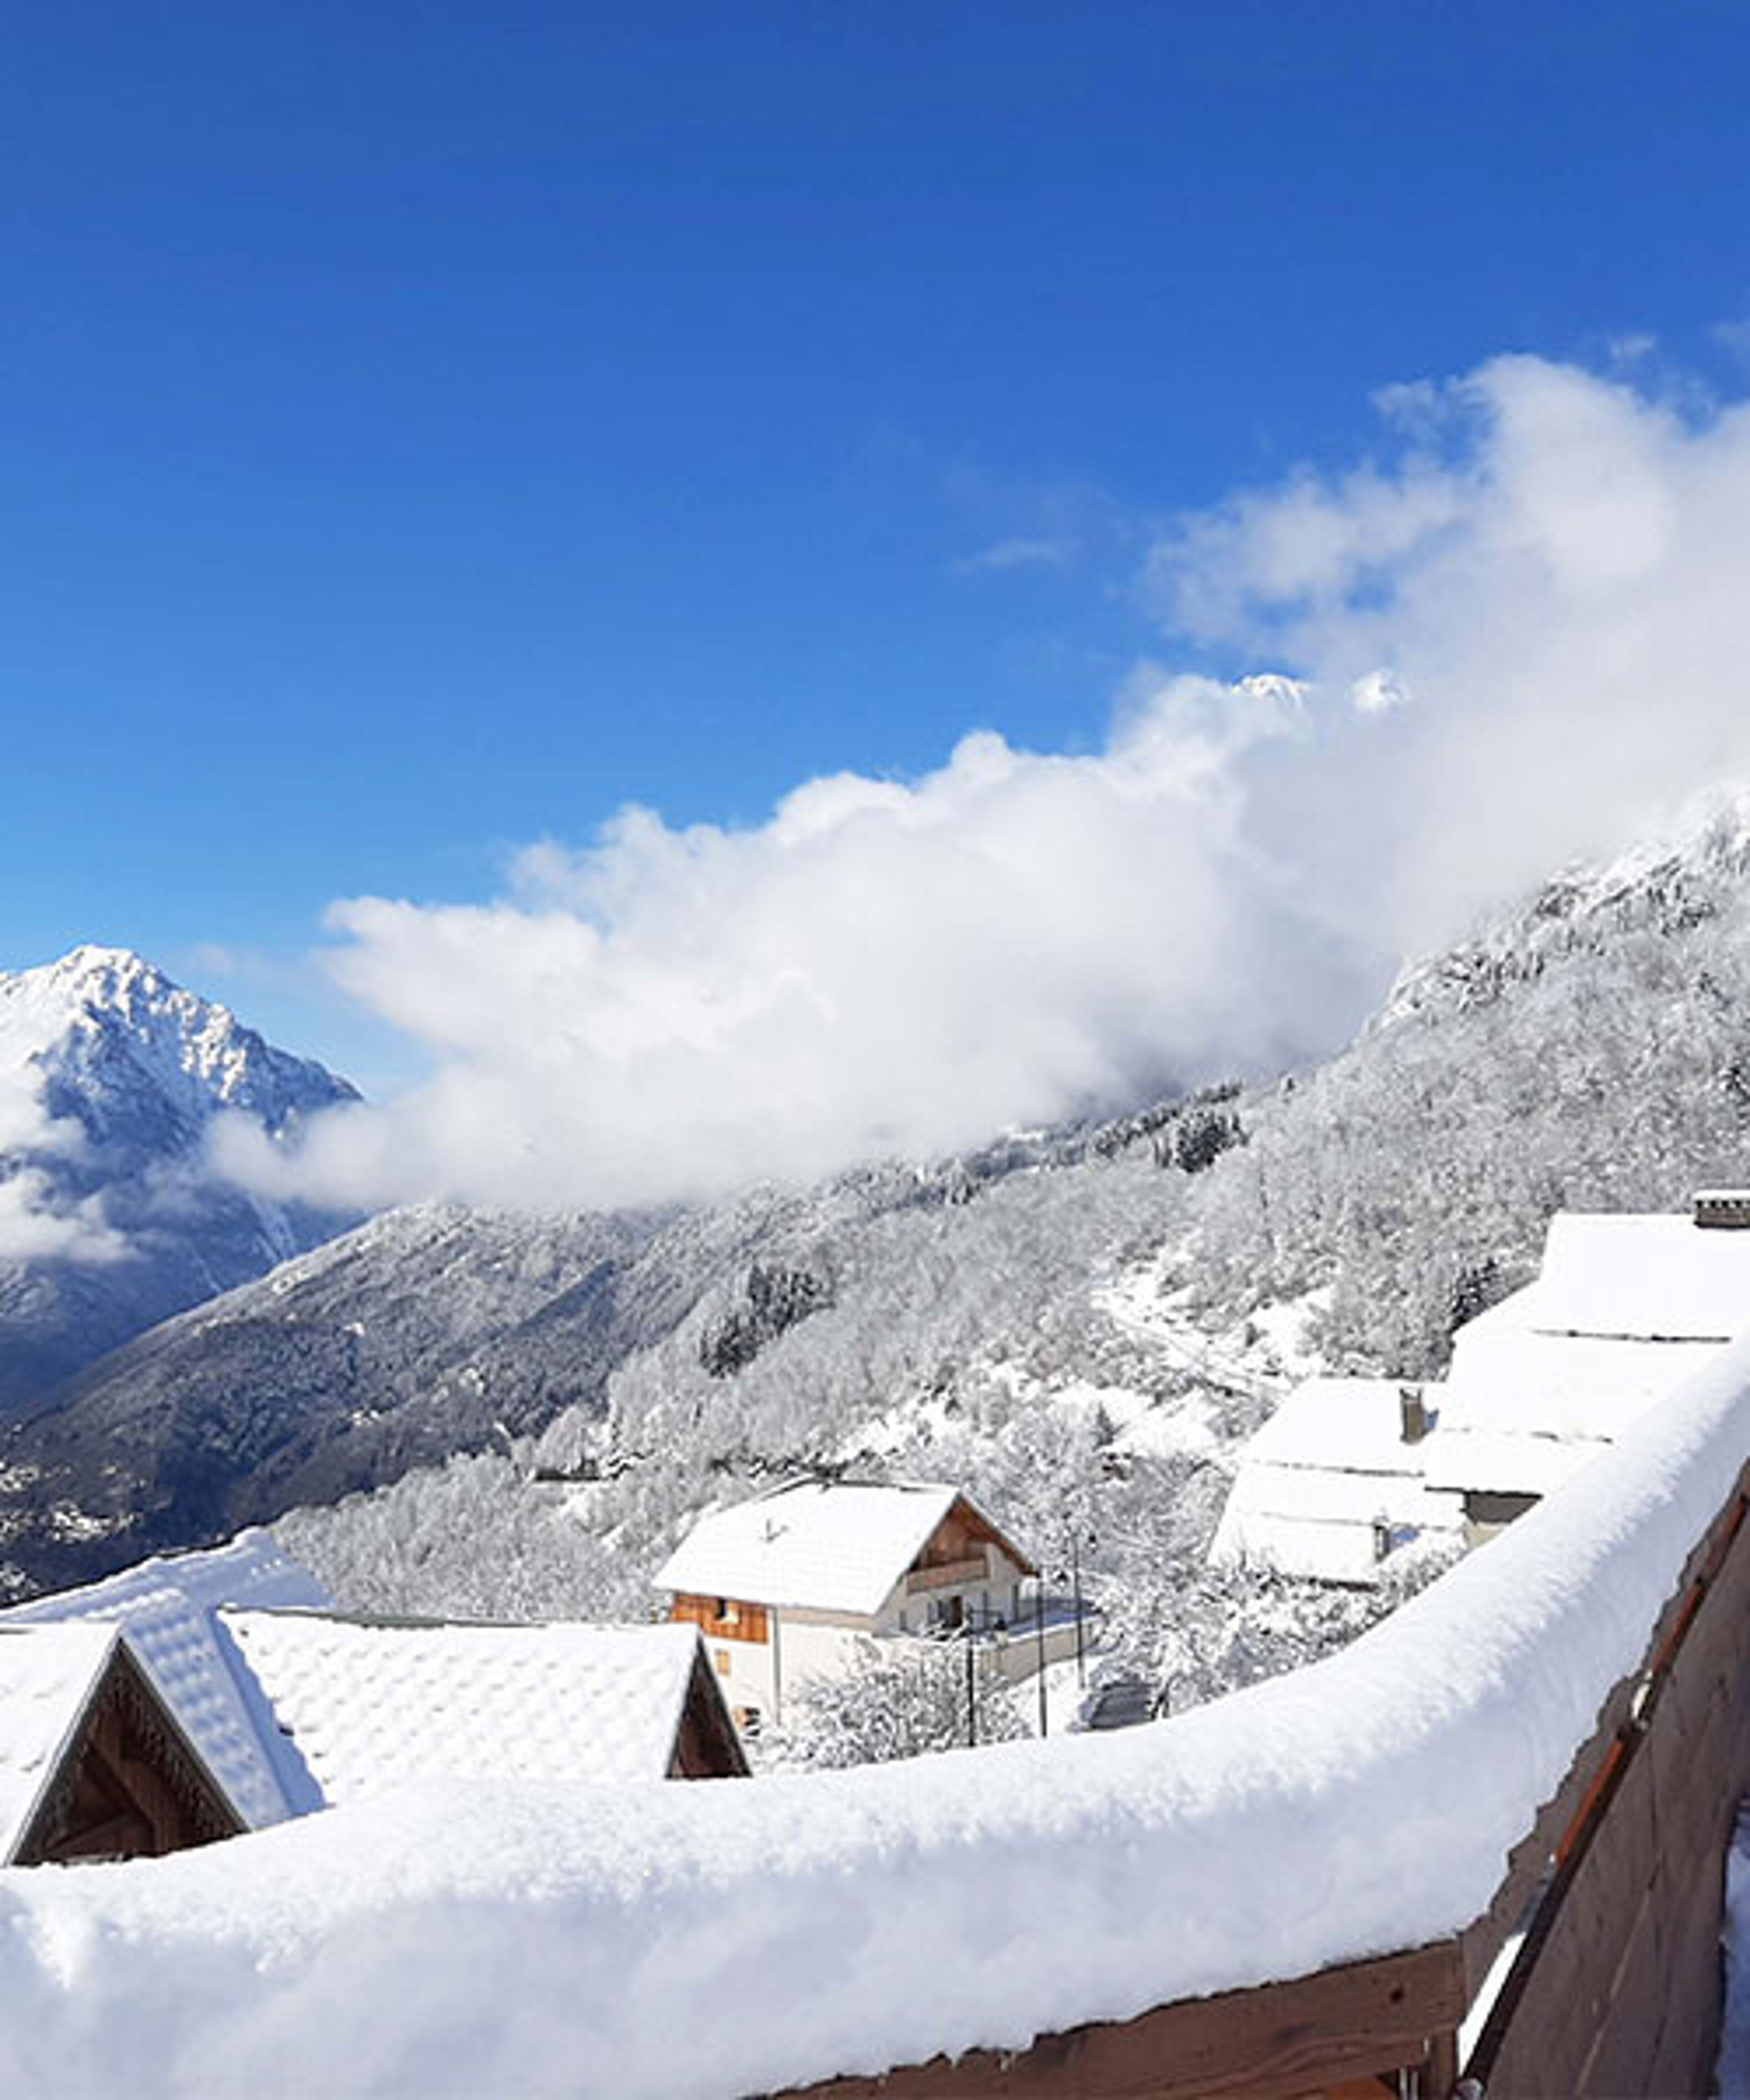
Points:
x=110 y=1075
x=1664 y=887
x=1591 y=1049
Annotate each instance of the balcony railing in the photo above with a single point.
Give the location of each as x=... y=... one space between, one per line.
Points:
x=975 y=1568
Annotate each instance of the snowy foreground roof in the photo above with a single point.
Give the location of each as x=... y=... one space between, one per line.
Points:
x=544 y=1940
x=48 y=1675
x=357 y=1707
x=167 y=1607
x=825 y=1546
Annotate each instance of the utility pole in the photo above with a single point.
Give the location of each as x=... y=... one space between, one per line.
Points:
x=1038 y=1627
x=971 y=1692
x=1075 y=1584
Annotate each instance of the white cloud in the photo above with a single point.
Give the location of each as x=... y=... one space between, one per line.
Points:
x=1561 y=588
x=1519 y=634
x=1023 y=552
x=35 y=1225
x=36 y=1221
x=881 y=967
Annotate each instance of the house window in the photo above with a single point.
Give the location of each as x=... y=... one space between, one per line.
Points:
x=720 y=1656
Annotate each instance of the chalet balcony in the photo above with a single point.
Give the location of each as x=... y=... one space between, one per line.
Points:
x=948 y=1574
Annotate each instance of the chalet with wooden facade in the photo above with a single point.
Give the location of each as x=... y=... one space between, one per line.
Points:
x=781 y=1586
x=93 y=1764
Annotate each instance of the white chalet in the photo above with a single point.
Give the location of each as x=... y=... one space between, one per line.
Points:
x=1350 y=1471
x=782 y=1586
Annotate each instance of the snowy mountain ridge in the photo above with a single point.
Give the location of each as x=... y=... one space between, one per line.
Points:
x=1665 y=884
x=110 y=1077
x=128 y=1053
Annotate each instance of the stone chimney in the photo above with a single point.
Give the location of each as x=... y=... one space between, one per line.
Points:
x=1414 y=1411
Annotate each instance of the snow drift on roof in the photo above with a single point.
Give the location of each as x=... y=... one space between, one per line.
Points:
x=364 y=1707
x=1659 y=1277
x=822 y=1546
x=166 y=1606
x=1346 y=1425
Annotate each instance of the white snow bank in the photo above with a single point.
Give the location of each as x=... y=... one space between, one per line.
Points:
x=534 y=1941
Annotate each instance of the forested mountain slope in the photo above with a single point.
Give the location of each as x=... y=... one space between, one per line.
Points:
x=1589 y=1050
x=1085 y=1343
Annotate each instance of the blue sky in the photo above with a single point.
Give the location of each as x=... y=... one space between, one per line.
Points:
x=427 y=428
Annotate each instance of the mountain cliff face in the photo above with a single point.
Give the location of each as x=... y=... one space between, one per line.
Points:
x=110 y=1075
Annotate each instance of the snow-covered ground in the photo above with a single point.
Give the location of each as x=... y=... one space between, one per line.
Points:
x=540 y=1940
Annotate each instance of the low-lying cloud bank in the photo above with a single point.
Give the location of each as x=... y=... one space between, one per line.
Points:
x=1519 y=636
x=39 y=1222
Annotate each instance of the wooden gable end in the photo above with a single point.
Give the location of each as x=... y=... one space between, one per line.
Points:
x=130 y=1784
x=706 y=1745
x=957 y=1549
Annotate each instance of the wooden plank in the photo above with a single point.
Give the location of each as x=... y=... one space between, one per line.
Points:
x=1280 y=2041
x=1688 y=2041
x=1620 y=2058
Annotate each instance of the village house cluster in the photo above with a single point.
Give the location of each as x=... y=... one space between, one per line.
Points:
x=1353 y=1477
x=195 y=1697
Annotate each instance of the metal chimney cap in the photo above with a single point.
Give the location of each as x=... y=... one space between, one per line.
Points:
x=1723 y=1210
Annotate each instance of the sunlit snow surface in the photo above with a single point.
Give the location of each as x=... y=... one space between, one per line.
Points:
x=540 y=1940
x=361 y=1707
x=169 y=1608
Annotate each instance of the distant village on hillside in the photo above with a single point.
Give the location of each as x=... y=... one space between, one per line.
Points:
x=198 y=1695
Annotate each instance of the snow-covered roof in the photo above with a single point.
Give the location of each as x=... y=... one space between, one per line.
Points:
x=1657 y=1277
x=360 y=1707
x=1624 y=1311
x=1315 y=1482
x=167 y=1608
x=816 y=1544
x=1580 y=1385
x=47 y=1677
x=540 y=1941
x=1508 y=1462
x=1352 y=1425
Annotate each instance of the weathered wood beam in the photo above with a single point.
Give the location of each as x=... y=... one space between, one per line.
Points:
x=1280 y=2041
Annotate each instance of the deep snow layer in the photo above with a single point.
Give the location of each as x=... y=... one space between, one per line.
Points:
x=536 y=1940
